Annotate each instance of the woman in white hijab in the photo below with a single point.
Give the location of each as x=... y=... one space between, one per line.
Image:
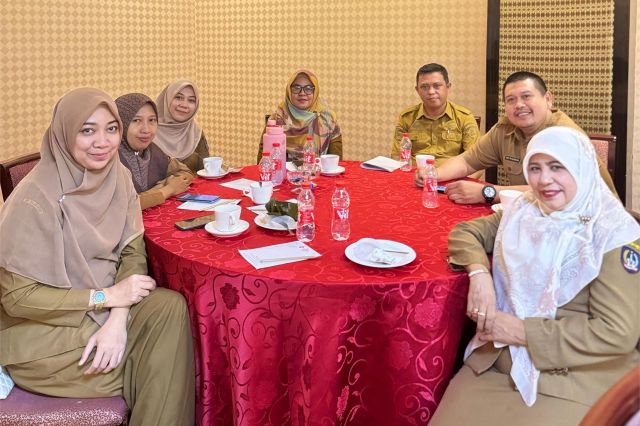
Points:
x=558 y=317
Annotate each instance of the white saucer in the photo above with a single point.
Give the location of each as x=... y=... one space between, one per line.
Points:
x=332 y=172
x=264 y=221
x=210 y=227
x=496 y=207
x=203 y=173
x=357 y=252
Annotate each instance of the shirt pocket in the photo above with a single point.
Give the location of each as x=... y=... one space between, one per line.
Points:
x=451 y=132
x=419 y=141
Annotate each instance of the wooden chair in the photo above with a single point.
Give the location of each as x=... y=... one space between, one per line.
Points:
x=618 y=405
x=605 y=146
x=22 y=408
x=12 y=171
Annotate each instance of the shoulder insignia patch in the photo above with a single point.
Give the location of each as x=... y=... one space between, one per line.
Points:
x=630 y=259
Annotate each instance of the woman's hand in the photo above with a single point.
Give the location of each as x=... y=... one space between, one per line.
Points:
x=129 y=291
x=109 y=341
x=507 y=329
x=178 y=184
x=481 y=301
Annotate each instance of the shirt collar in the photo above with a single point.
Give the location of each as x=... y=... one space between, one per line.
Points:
x=448 y=111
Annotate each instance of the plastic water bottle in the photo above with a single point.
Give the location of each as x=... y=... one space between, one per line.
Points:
x=265 y=167
x=306 y=229
x=274 y=133
x=277 y=158
x=309 y=159
x=430 y=189
x=405 y=152
x=340 y=227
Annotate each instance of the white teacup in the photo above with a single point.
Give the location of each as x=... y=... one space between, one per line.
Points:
x=508 y=196
x=421 y=159
x=259 y=192
x=329 y=162
x=227 y=216
x=213 y=165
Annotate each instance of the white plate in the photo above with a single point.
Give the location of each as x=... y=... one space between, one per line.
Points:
x=203 y=173
x=264 y=221
x=210 y=227
x=496 y=207
x=357 y=252
x=332 y=172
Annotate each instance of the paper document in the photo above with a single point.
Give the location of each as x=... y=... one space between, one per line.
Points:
x=278 y=254
x=239 y=184
x=382 y=163
x=203 y=207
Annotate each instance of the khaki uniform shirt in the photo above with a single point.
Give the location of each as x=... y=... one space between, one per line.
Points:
x=450 y=134
x=592 y=341
x=39 y=321
x=195 y=161
x=505 y=145
x=154 y=196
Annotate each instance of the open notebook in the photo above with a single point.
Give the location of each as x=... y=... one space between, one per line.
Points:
x=382 y=163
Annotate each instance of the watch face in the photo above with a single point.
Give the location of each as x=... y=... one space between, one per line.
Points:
x=489 y=192
x=98 y=297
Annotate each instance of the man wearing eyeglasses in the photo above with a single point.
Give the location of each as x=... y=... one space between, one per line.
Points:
x=436 y=126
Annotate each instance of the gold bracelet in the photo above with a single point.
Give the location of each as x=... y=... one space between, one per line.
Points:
x=476 y=272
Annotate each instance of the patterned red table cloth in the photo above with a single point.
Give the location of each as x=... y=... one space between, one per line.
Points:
x=323 y=341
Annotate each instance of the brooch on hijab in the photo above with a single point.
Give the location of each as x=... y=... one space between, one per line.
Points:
x=584 y=219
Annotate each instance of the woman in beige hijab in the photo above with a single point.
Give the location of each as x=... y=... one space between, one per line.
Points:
x=73 y=277
x=179 y=136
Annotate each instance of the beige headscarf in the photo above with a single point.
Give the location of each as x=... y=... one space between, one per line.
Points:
x=177 y=139
x=63 y=225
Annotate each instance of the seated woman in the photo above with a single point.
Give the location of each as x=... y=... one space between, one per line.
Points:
x=179 y=136
x=303 y=113
x=79 y=317
x=558 y=318
x=156 y=177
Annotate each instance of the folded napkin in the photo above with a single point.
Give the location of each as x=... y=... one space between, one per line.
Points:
x=378 y=255
x=282 y=208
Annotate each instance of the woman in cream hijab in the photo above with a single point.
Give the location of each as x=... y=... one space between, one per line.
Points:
x=303 y=113
x=558 y=318
x=179 y=136
x=80 y=316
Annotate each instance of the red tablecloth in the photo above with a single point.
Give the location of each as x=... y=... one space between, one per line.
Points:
x=323 y=341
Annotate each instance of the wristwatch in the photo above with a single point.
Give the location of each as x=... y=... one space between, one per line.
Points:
x=489 y=193
x=98 y=299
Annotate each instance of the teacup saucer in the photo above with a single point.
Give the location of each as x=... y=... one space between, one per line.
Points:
x=242 y=226
x=203 y=173
x=333 y=172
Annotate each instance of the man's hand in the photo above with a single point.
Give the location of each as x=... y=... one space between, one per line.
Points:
x=418 y=178
x=465 y=192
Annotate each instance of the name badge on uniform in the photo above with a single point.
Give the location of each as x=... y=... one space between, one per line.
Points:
x=510 y=158
x=630 y=258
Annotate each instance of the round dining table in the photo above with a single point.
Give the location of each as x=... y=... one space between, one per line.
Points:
x=323 y=341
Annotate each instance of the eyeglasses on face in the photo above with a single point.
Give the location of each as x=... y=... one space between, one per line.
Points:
x=308 y=89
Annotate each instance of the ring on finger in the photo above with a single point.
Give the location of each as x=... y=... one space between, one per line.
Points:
x=482 y=314
x=475 y=311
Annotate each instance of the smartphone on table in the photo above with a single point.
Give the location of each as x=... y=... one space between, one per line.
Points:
x=194 y=223
x=200 y=198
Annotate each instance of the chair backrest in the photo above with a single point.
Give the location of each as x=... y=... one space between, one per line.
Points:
x=12 y=171
x=619 y=404
x=605 y=146
x=478 y=120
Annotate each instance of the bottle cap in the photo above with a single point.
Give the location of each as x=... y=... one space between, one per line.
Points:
x=309 y=137
x=405 y=135
x=265 y=154
x=276 y=144
x=430 y=161
x=340 y=183
x=306 y=185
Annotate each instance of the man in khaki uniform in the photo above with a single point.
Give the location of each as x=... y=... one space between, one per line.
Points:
x=528 y=109
x=435 y=125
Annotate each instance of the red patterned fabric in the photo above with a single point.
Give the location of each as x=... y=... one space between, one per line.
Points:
x=323 y=341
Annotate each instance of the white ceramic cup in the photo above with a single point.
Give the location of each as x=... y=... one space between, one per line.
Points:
x=259 y=192
x=213 y=165
x=227 y=216
x=508 y=196
x=329 y=162
x=421 y=159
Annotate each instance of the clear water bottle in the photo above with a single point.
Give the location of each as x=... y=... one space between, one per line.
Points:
x=277 y=158
x=430 y=189
x=265 y=167
x=340 y=227
x=309 y=159
x=405 y=152
x=306 y=229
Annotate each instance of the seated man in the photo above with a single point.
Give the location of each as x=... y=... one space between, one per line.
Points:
x=435 y=126
x=527 y=105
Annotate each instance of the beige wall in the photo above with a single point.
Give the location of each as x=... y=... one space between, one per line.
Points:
x=240 y=52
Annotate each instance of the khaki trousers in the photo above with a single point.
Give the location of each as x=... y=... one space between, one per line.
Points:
x=156 y=376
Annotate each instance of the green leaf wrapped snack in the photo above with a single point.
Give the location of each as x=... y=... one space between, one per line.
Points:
x=282 y=208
